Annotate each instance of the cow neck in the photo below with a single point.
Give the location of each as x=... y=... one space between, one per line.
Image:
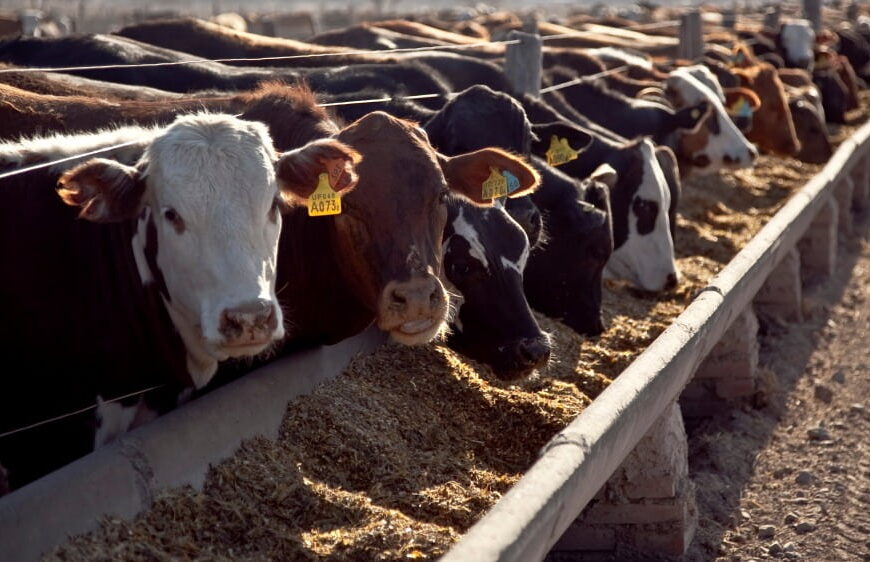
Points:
x=626 y=117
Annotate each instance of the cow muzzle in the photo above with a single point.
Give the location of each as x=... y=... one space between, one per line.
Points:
x=249 y=327
x=527 y=355
x=414 y=311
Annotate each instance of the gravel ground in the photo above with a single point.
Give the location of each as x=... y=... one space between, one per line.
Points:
x=791 y=479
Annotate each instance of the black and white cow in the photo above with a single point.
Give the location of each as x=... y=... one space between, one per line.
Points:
x=641 y=198
x=486 y=250
x=145 y=269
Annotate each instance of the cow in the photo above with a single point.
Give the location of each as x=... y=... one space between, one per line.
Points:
x=717 y=143
x=641 y=198
x=144 y=271
x=395 y=78
x=810 y=127
x=773 y=128
x=563 y=276
x=796 y=40
x=626 y=117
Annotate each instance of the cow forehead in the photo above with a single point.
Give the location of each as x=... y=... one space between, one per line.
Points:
x=208 y=161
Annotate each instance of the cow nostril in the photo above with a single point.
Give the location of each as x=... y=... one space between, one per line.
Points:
x=728 y=159
x=671 y=281
x=397 y=299
x=533 y=352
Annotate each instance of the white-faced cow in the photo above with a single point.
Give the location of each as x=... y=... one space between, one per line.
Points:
x=138 y=273
x=717 y=143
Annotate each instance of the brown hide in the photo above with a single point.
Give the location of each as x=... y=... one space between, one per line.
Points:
x=772 y=125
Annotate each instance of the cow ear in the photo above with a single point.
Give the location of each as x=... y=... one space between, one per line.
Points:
x=467 y=173
x=577 y=139
x=298 y=170
x=606 y=175
x=734 y=95
x=104 y=190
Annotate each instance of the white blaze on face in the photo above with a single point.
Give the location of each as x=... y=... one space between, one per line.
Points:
x=706 y=77
x=647 y=260
x=725 y=148
x=215 y=175
x=798 y=40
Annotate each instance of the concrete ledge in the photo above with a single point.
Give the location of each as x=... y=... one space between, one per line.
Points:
x=174 y=450
x=531 y=517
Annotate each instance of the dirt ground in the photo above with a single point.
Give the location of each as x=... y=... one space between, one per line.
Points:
x=791 y=480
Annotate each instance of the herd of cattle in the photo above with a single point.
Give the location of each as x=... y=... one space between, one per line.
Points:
x=246 y=211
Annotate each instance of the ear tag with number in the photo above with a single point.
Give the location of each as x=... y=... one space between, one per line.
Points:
x=324 y=201
x=560 y=151
x=496 y=185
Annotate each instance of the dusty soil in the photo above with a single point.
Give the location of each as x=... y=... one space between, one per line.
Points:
x=792 y=480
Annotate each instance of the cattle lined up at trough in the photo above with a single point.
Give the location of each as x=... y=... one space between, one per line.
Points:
x=460 y=213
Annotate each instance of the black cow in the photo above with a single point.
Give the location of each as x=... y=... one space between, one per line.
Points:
x=77 y=50
x=627 y=117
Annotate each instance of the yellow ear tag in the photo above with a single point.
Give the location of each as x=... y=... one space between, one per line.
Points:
x=560 y=151
x=324 y=201
x=496 y=185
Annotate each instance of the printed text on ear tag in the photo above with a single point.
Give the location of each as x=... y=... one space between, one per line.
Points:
x=496 y=185
x=324 y=201
x=560 y=151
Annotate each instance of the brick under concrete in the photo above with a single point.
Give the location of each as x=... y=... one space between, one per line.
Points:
x=648 y=503
x=781 y=295
x=818 y=247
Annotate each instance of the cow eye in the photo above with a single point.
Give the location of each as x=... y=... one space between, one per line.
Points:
x=173 y=218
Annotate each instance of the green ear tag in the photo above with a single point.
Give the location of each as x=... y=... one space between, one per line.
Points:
x=560 y=151
x=324 y=201
x=496 y=185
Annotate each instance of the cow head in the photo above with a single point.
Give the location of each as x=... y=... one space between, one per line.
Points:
x=816 y=147
x=485 y=254
x=772 y=125
x=206 y=194
x=564 y=276
x=643 y=244
x=717 y=143
x=390 y=229
x=797 y=40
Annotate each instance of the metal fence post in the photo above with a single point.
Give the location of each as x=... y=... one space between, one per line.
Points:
x=523 y=63
x=691 y=41
x=813 y=12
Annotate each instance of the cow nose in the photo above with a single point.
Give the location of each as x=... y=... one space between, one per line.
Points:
x=252 y=322
x=671 y=281
x=533 y=352
x=418 y=296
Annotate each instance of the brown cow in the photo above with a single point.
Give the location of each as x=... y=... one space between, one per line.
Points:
x=772 y=125
x=60 y=84
x=417 y=29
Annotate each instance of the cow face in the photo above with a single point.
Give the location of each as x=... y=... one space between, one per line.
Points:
x=207 y=197
x=811 y=130
x=563 y=279
x=797 y=40
x=644 y=245
x=485 y=254
x=772 y=125
x=389 y=233
x=717 y=143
